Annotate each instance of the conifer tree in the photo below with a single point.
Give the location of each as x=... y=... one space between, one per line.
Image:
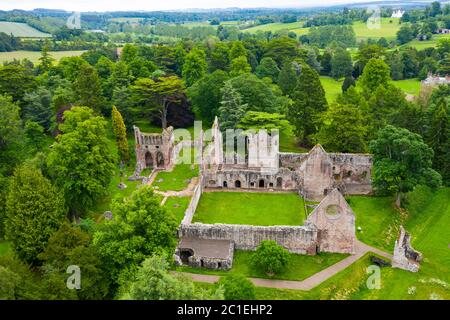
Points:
x=120 y=132
x=232 y=109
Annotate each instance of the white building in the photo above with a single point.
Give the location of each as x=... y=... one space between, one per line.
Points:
x=397 y=13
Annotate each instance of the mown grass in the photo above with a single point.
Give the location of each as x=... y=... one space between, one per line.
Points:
x=379 y=220
x=332 y=88
x=263 y=209
x=177 y=206
x=411 y=86
x=176 y=180
x=388 y=29
x=299 y=267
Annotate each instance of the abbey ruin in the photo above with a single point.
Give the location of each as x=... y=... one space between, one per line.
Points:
x=258 y=166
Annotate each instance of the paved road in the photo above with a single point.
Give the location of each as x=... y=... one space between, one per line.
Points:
x=309 y=283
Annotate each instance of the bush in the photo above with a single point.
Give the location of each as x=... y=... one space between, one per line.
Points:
x=237 y=287
x=270 y=257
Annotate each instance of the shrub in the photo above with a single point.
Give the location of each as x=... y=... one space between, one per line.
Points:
x=270 y=257
x=237 y=287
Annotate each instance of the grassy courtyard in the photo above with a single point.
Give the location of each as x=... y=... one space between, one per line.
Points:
x=264 y=209
x=299 y=268
x=176 y=180
x=177 y=206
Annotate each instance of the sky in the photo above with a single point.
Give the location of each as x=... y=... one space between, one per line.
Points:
x=152 y=5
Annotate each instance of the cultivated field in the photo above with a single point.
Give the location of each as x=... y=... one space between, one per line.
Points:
x=22 y=30
x=332 y=88
x=34 y=56
x=276 y=27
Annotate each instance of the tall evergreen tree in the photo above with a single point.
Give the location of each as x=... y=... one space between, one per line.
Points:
x=34 y=211
x=120 y=131
x=88 y=89
x=308 y=102
x=231 y=109
x=438 y=138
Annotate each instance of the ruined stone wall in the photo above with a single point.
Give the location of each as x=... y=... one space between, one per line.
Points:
x=302 y=239
x=189 y=213
x=335 y=221
x=246 y=179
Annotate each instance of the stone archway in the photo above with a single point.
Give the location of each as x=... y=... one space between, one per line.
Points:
x=225 y=184
x=237 y=184
x=262 y=183
x=159 y=159
x=148 y=159
x=279 y=182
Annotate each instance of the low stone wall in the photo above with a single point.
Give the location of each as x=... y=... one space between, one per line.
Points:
x=301 y=239
x=189 y=213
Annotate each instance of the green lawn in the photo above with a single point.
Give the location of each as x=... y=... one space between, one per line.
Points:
x=420 y=45
x=411 y=86
x=379 y=220
x=5 y=248
x=22 y=30
x=34 y=56
x=388 y=29
x=263 y=209
x=332 y=88
x=177 y=206
x=177 y=179
x=299 y=268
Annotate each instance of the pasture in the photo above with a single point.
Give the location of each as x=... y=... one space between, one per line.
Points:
x=22 y=30
x=387 y=29
x=34 y=56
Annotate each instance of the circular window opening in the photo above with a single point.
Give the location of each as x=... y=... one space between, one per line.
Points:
x=333 y=211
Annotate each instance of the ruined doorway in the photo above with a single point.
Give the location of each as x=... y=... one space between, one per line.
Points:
x=225 y=184
x=148 y=159
x=237 y=184
x=262 y=183
x=185 y=254
x=279 y=182
x=159 y=160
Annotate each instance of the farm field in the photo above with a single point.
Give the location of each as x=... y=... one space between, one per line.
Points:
x=22 y=30
x=34 y=56
x=264 y=209
x=276 y=27
x=388 y=29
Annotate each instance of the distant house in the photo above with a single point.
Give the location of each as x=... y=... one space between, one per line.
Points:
x=443 y=31
x=435 y=80
x=397 y=13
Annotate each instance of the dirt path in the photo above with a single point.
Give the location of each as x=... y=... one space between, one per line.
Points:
x=309 y=283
